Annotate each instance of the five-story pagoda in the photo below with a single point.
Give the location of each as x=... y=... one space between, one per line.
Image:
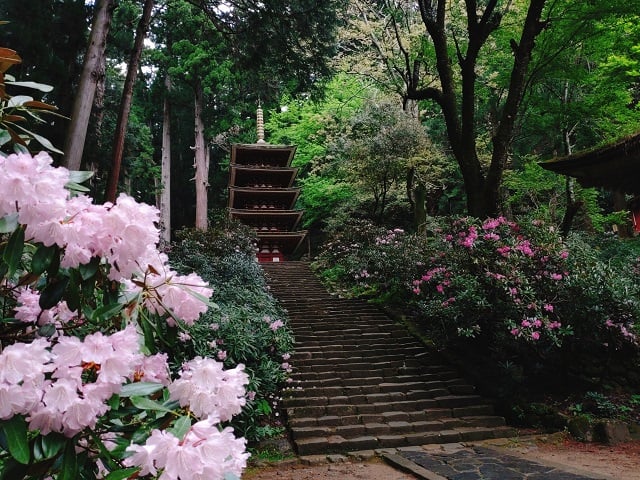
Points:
x=262 y=195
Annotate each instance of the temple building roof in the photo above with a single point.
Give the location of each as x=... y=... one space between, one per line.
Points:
x=245 y=176
x=267 y=198
x=615 y=166
x=262 y=154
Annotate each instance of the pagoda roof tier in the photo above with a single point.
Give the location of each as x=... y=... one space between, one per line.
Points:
x=249 y=198
x=262 y=154
x=272 y=220
x=262 y=177
x=287 y=242
x=615 y=166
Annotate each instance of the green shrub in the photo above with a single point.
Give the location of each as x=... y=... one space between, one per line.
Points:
x=517 y=289
x=248 y=326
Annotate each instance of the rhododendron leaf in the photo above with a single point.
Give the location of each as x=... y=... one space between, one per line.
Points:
x=4 y=137
x=52 y=293
x=18 y=100
x=43 y=258
x=72 y=295
x=69 y=463
x=9 y=320
x=33 y=85
x=181 y=427
x=106 y=312
x=88 y=270
x=13 y=251
x=79 y=176
x=8 y=223
x=40 y=139
x=48 y=446
x=47 y=330
x=122 y=474
x=140 y=389
x=75 y=187
x=145 y=403
x=15 y=430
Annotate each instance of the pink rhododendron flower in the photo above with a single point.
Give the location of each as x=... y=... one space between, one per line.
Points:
x=525 y=248
x=29 y=311
x=209 y=390
x=276 y=325
x=205 y=453
x=535 y=335
x=64 y=387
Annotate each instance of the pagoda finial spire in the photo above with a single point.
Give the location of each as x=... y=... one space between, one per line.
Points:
x=260 y=124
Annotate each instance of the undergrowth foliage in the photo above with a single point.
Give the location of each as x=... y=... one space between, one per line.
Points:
x=511 y=286
x=248 y=327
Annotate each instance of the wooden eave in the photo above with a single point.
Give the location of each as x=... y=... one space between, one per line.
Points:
x=288 y=242
x=262 y=154
x=615 y=166
x=257 y=218
x=285 y=198
x=246 y=176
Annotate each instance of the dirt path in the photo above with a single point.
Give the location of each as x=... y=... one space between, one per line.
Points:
x=620 y=462
x=374 y=469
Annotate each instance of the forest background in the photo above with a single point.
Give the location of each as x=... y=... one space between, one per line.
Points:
x=398 y=108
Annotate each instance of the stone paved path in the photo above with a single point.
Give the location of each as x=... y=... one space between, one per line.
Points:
x=478 y=463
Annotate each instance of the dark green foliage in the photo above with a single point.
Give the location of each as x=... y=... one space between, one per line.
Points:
x=248 y=325
x=515 y=294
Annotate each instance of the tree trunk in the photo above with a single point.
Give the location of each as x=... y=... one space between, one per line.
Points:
x=619 y=204
x=165 y=196
x=92 y=72
x=201 y=162
x=125 y=103
x=504 y=134
x=420 y=212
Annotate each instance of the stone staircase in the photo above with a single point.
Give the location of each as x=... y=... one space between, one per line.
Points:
x=362 y=382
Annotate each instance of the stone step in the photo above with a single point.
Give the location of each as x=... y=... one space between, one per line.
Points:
x=338 y=443
x=384 y=427
x=369 y=381
x=317 y=361
x=304 y=355
x=361 y=381
x=460 y=405
x=357 y=391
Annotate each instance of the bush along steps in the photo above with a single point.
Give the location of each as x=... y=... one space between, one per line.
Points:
x=362 y=382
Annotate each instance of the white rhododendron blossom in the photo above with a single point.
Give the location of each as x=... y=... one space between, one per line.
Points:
x=64 y=387
x=209 y=390
x=205 y=453
x=29 y=311
x=124 y=234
